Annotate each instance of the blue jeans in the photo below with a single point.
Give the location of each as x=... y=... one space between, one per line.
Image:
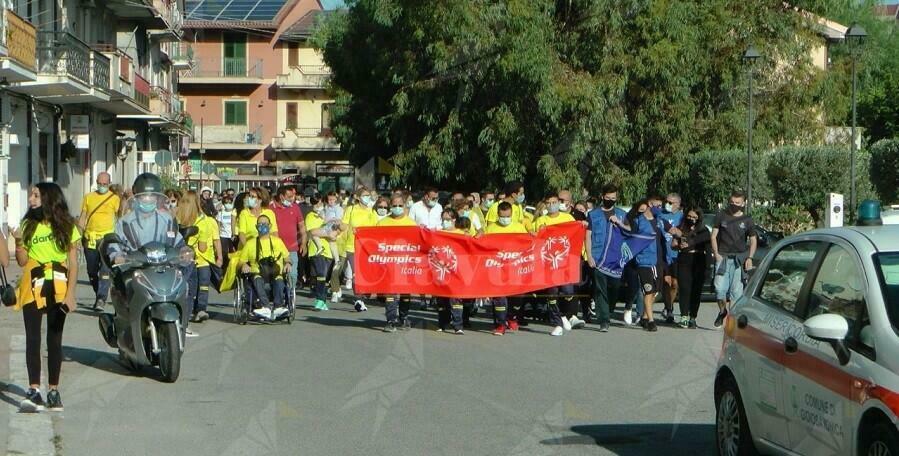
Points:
x=277 y=291
x=728 y=279
x=294 y=270
x=98 y=273
x=605 y=294
x=198 y=294
x=321 y=271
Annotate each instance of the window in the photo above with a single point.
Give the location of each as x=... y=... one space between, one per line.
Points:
x=326 y=116
x=236 y=112
x=293 y=54
x=786 y=274
x=888 y=264
x=292 y=116
x=839 y=287
x=234 y=61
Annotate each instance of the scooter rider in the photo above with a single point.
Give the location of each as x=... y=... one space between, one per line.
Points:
x=147 y=222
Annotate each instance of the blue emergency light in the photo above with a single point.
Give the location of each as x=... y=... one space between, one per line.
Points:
x=869 y=214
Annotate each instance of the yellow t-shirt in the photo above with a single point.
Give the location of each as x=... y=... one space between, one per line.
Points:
x=402 y=221
x=357 y=216
x=246 y=223
x=545 y=220
x=104 y=209
x=42 y=245
x=492 y=214
x=317 y=246
x=208 y=234
x=512 y=228
x=273 y=247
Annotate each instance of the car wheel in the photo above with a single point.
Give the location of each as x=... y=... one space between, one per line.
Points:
x=882 y=441
x=731 y=427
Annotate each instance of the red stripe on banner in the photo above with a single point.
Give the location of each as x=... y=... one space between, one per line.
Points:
x=413 y=260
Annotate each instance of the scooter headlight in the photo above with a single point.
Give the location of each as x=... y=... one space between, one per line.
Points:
x=156 y=255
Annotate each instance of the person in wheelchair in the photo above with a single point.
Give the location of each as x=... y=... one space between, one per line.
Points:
x=263 y=261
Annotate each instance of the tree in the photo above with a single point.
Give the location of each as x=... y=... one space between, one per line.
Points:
x=885 y=169
x=564 y=93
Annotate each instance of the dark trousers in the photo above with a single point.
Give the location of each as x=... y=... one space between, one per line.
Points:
x=691 y=275
x=56 y=320
x=198 y=289
x=605 y=295
x=584 y=290
x=559 y=302
x=396 y=308
x=450 y=309
x=98 y=273
x=321 y=273
x=227 y=246
x=500 y=307
x=277 y=289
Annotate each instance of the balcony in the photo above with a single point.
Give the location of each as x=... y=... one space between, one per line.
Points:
x=227 y=137
x=306 y=139
x=125 y=97
x=68 y=71
x=162 y=103
x=182 y=56
x=18 y=46
x=224 y=71
x=305 y=77
x=173 y=20
x=162 y=18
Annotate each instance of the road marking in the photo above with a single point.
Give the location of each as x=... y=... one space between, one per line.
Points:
x=29 y=433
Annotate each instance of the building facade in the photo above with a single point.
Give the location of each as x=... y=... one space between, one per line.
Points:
x=257 y=94
x=85 y=87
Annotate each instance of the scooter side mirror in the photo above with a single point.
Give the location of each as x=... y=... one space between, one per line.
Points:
x=103 y=248
x=189 y=232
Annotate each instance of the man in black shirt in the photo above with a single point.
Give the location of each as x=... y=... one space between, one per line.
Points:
x=733 y=243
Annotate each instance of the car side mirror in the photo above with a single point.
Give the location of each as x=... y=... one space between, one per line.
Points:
x=830 y=328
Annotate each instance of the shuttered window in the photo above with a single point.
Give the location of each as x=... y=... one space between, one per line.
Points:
x=236 y=112
x=292 y=115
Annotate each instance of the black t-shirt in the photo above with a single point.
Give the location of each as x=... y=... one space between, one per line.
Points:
x=733 y=233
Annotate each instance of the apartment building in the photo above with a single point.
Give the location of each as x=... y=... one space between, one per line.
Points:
x=257 y=94
x=86 y=86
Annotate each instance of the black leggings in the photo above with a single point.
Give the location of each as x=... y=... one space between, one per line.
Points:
x=691 y=271
x=56 y=319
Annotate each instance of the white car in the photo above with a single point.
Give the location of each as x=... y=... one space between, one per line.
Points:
x=810 y=357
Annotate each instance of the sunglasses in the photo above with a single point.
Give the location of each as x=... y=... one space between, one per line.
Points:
x=173 y=201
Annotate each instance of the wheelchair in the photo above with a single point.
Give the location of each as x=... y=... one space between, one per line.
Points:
x=245 y=300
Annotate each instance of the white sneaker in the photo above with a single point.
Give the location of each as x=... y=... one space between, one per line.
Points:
x=279 y=312
x=557 y=331
x=360 y=306
x=628 y=317
x=577 y=323
x=566 y=325
x=349 y=284
x=263 y=312
x=335 y=297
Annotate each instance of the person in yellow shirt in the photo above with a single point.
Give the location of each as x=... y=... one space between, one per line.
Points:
x=514 y=195
x=451 y=309
x=396 y=307
x=99 y=211
x=46 y=249
x=504 y=225
x=319 y=251
x=189 y=213
x=557 y=316
x=356 y=216
x=255 y=205
x=266 y=260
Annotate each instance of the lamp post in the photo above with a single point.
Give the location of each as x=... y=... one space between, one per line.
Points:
x=749 y=58
x=855 y=36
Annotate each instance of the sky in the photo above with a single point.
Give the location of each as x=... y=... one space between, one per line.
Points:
x=331 y=4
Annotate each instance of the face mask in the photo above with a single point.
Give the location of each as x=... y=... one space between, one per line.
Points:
x=367 y=201
x=431 y=203
x=488 y=203
x=448 y=224
x=229 y=207
x=669 y=208
x=520 y=198
x=563 y=207
x=396 y=211
x=656 y=211
x=37 y=212
x=263 y=229
x=735 y=208
x=608 y=204
x=146 y=208
x=688 y=223
x=252 y=202
x=505 y=221
x=286 y=203
x=101 y=189
x=466 y=213
x=172 y=206
x=554 y=208
x=319 y=210
x=382 y=212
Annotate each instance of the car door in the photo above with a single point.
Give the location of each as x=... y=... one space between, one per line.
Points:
x=820 y=389
x=763 y=321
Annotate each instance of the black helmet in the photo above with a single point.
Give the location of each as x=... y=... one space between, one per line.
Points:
x=147 y=183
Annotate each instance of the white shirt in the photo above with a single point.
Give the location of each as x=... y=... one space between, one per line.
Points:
x=429 y=218
x=224 y=218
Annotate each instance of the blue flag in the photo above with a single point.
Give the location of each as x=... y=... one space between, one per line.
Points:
x=620 y=248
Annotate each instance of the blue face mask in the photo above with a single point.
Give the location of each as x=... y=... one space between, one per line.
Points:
x=102 y=189
x=397 y=211
x=146 y=208
x=252 y=202
x=367 y=201
x=656 y=211
x=263 y=229
x=553 y=208
x=519 y=199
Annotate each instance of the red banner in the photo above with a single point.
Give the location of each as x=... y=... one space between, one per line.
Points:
x=412 y=260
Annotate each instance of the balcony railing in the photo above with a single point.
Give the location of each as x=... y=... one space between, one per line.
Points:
x=99 y=70
x=62 y=54
x=182 y=54
x=20 y=39
x=161 y=101
x=227 y=134
x=226 y=68
x=306 y=76
x=141 y=91
x=170 y=14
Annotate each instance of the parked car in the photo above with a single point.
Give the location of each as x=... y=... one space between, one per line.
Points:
x=810 y=357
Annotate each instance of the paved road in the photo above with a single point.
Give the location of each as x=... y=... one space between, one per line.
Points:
x=333 y=384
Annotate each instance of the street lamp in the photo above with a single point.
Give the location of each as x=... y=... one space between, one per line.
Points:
x=855 y=37
x=122 y=153
x=749 y=58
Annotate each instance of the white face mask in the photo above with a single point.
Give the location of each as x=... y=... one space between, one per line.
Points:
x=505 y=221
x=448 y=224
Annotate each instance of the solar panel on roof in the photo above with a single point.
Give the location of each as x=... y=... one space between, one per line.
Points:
x=233 y=10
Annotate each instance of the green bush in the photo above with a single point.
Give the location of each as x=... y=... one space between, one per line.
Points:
x=788 y=220
x=802 y=176
x=714 y=174
x=884 y=170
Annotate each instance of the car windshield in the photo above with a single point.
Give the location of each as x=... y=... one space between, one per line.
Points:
x=889 y=276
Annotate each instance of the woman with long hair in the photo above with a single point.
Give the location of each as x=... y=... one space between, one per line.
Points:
x=255 y=204
x=46 y=249
x=695 y=240
x=190 y=213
